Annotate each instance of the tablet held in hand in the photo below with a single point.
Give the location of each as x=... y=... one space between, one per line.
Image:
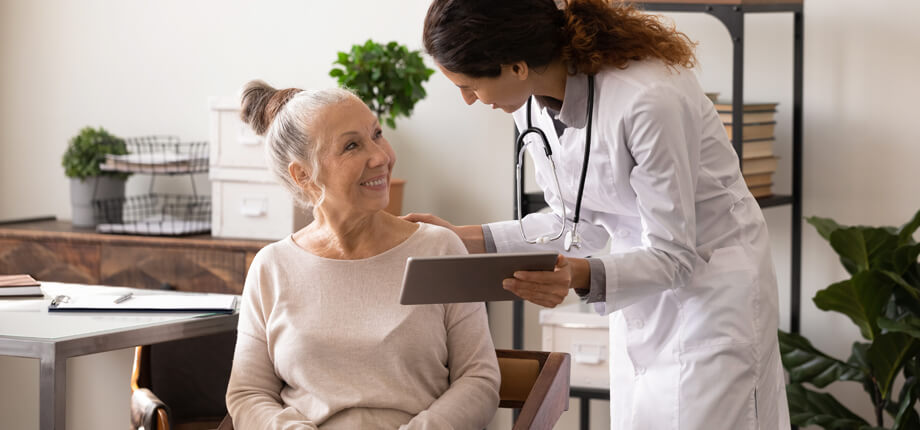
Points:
x=467 y=278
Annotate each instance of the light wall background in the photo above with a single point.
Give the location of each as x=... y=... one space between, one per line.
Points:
x=140 y=67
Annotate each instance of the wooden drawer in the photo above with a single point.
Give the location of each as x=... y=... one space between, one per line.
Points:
x=51 y=260
x=182 y=269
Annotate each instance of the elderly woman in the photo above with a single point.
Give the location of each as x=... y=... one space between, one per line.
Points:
x=323 y=341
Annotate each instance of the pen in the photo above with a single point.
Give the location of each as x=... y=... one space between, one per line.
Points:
x=124 y=297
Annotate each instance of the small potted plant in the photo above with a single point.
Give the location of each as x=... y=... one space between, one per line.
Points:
x=388 y=78
x=86 y=151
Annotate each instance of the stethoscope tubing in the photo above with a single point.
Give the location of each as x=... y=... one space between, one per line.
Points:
x=521 y=144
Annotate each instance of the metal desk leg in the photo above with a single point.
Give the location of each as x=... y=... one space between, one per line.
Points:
x=51 y=392
x=585 y=413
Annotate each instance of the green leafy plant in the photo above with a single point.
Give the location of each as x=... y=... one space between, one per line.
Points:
x=387 y=77
x=87 y=151
x=882 y=297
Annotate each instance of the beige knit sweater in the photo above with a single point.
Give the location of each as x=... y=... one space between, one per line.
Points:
x=325 y=344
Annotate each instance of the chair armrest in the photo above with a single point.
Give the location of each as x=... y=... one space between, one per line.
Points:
x=549 y=397
x=226 y=423
x=148 y=411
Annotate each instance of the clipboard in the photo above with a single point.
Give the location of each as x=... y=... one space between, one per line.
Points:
x=216 y=303
x=467 y=278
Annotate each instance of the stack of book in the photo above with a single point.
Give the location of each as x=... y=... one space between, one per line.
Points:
x=757 y=136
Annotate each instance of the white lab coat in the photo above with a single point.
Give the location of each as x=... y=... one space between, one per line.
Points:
x=690 y=283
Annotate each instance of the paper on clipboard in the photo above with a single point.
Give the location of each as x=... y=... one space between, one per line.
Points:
x=224 y=303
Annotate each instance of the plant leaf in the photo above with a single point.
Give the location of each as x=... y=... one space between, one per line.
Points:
x=909 y=325
x=906 y=417
x=859 y=247
x=812 y=408
x=887 y=355
x=861 y=298
x=806 y=363
x=905 y=236
x=824 y=226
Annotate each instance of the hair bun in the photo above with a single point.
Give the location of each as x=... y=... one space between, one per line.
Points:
x=260 y=102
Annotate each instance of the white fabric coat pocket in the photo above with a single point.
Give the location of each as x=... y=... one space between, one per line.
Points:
x=719 y=305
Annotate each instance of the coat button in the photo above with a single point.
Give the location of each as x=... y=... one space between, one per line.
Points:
x=640 y=370
x=638 y=324
x=622 y=233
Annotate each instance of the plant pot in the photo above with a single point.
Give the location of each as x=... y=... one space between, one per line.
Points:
x=84 y=192
x=396 y=196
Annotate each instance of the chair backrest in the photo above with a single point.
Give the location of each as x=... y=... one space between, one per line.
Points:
x=536 y=382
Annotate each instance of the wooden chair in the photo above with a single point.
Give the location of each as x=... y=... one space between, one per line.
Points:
x=181 y=385
x=535 y=382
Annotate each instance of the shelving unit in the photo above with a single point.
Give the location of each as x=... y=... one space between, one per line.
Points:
x=730 y=13
x=157 y=214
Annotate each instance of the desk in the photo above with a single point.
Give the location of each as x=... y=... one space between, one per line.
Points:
x=28 y=330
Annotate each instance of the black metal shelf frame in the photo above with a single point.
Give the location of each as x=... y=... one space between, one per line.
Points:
x=732 y=16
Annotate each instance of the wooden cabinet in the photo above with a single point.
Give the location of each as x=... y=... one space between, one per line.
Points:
x=56 y=251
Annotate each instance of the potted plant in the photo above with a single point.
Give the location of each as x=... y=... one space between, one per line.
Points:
x=88 y=182
x=388 y=78
x=882 y=297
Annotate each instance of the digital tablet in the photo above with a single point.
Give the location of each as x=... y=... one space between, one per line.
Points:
x=466 y=278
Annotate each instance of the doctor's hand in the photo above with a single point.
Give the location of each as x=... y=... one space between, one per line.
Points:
x=471 y=235
x=544 y=288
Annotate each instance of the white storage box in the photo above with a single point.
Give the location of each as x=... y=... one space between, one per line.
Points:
x=248 y=203
x=581 y=332
x=233 y=143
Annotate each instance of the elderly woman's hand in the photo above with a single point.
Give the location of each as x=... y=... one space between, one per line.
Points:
x=471 y=235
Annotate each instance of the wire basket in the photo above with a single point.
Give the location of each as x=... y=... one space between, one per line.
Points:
x=159 y=155
x=154 y=215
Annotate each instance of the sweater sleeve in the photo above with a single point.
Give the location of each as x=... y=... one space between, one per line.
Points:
x=472 y=399
x=254 y=392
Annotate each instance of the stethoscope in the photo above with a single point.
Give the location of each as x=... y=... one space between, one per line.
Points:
x=571 y=238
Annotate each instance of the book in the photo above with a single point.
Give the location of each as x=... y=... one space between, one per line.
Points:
x=758 y=165
x=762 y=191
x=726 y=106
x=19 y=286
x=757 y=149
x=762 y=130
x=758 y=179
x=749 y=117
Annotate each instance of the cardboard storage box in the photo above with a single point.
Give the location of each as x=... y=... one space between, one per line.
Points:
x=581 y=332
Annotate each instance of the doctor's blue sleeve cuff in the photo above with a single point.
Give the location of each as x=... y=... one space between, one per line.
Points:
x=488 y=240
x=597 y=290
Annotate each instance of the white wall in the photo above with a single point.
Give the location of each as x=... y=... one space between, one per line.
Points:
x=140 y=67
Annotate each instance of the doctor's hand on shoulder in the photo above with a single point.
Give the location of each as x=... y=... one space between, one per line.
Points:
x=544 y=288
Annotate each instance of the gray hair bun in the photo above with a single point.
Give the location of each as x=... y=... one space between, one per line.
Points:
x=260 y=103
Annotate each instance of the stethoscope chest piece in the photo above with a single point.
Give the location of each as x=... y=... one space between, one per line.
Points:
x=571 y=240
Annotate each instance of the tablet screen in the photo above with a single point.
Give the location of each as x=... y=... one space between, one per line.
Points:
x=466 y=278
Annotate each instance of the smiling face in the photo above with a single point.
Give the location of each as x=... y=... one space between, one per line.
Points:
x=355 y=160
x=507 y=91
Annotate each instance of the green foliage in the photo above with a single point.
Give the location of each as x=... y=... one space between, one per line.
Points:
x=387 y=77
x=87 y=151
x=882 y=297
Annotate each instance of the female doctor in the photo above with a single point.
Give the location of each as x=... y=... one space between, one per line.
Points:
x=628 y=149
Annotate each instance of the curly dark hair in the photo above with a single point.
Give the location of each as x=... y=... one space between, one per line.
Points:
x=476 y=37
